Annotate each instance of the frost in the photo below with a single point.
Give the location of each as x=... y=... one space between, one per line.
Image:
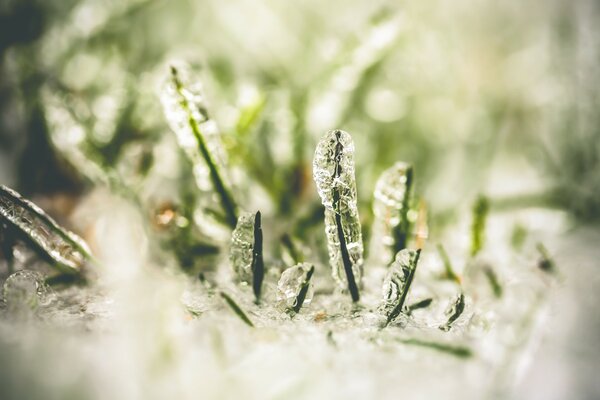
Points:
x=333 y=171
x=397 y=282
x=390 y=206
x=63 y=247
x=291 y=283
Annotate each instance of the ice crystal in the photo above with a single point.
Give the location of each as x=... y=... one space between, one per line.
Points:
x=291 y=285
x=397 y=282
x=64 y=248
x=390 y=206
x=25 y=290
x=333 y=171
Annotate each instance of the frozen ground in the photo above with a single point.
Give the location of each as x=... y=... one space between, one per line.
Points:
x=129 y=336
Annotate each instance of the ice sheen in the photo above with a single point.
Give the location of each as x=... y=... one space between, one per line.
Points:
x=324 y=172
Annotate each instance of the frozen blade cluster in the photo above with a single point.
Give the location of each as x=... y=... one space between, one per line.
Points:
x=397 y=282
x=333 y=171
x=390 y=206
x=25 y=290
x=199 y=137
x=242 y=246
x=290 y=286
x=65 y=248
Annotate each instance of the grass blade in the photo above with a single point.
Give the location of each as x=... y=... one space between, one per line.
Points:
x=236 y=309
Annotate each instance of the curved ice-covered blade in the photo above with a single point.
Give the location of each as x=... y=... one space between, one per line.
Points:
x=397 y=282
x=333 y=171
x=64 y=248
x=390 y=206
x=185 y=110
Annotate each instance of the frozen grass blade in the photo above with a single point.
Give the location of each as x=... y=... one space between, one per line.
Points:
x=236 y=309
x=197 y=115
x=419 y=305
x=457 y=351
x=258 y=265
x=493 y=281
x=448 y=269
x=59 y=246
x=303 y=291
x=398 y=281
x=290 y=247
x=480 y=212
x=333 y=170
x=454 y=311
x=391 y=201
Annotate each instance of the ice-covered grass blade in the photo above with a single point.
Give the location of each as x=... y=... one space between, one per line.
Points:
x=61 y=247
x=333 y=170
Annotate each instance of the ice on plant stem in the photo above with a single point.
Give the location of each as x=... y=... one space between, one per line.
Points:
x=295 y=288
x=391 y=227
x=454 y=311
x=397 y=282
x=25 y=290
x=199 y=137
x=242 y=249
x=67 y=250
x=333 y=171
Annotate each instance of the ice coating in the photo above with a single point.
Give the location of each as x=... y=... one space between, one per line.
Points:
x=198 y=135
x=454 y=311
x=291 y=283
x=397 y=282
x=242 y=246
x=333 y=172
x=63 y=247
x=390 y=206
x=25 y=290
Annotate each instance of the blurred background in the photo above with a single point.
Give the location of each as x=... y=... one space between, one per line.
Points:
x=467 y=91
x=481 y=96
